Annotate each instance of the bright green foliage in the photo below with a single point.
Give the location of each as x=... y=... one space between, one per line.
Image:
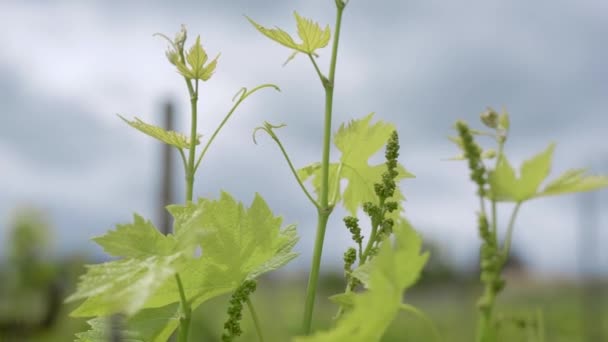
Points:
x=149 y=325
x=396 y=267
x=506 y=186
x=238 y=244
x=124 y=285
x=137 y=239
x=574 y=181
x=312 y=35
x=248 y=241
x=196 y=59
x=358 y=141
x=168 y=137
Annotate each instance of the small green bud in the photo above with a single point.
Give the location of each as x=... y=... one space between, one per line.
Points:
x=504 y=122
x=490 y=118
x=180 y=38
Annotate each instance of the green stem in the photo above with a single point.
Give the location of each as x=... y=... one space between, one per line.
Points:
x=184 y=161
x=413 y=310
x=311 y=290
x=325 y=210
x=256 y=321
x=295 y=173
x=184 y=320
x=494 y=227
x=193 y=138
x=507 y=245
x=186 y=314
x=485 y=328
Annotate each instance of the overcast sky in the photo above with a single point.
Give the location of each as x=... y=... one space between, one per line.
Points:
x=67 y=67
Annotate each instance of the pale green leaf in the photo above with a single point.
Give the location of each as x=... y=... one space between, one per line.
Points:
x=149 y=325
x=246 y=238
x=168 y=137
x=506 y=186
x=534 y=172
x=196 y=59
x=396 y=268
x=123 y=285
x=574 y=181
x=137 y=239
x=238 y=243
x=276 y=34
x=208 y=71
x=358 y=141
x=503 y=181
x=312 y=35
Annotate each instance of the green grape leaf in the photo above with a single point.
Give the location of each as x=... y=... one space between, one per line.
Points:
x=396 y=268
x=312 y=35
x=149 y=325
x=574 y=181
x=506 y=186
x=124 y=285
x=137 y=239
x=196 y=59
x=239 y=243
x=358 y=141
x=247 y=239
x=168 y=137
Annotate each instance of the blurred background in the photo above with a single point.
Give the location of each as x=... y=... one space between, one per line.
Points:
x=70 y=169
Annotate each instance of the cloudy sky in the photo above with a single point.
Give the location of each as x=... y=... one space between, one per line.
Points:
x=67 y=67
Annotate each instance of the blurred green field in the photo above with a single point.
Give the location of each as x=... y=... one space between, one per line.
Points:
x=33 y=287
x=279 y=304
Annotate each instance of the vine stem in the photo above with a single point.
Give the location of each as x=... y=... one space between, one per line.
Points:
x=294 y=172
x=184 y=322
x=256 y=321
x=485 y=332
x=325 y=210
x=509 y=236
x=186 y=310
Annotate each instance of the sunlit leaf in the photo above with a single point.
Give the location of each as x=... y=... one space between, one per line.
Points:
x=396 y=268
x=168 y=137
x=312 y=35
x=358 y=141
x=574 y=181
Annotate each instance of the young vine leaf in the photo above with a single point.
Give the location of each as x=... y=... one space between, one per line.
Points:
x=240 y=244
x=395 y=268
x=358 y=141
x=312 y=35
x=506 y=186
x=148 y=325
x=196 y=59
x=172 y=138
x=574 y=181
